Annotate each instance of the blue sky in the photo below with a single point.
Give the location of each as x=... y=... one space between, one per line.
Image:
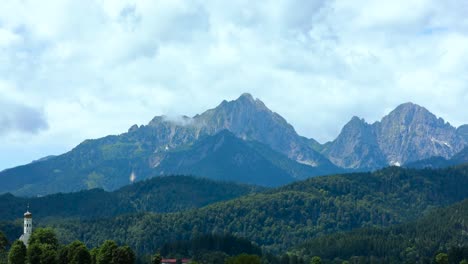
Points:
x=72 y=70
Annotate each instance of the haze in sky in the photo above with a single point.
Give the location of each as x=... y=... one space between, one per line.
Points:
x=72 y=70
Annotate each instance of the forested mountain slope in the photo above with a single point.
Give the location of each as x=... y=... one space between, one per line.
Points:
x=108 y=162
x=287 y=216
x=159 y=194
x=442 y=230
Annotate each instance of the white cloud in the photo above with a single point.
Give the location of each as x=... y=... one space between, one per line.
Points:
x=96 y=67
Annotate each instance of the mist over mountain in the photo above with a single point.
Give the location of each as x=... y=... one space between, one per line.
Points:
x=242 y=141
x=281 y=155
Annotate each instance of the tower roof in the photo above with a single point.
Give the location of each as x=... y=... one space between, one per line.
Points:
x=27 y=214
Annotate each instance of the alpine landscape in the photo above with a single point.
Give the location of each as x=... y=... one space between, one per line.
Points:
x=274 y=161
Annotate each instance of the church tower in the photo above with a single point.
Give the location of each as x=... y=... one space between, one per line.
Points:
x=27 y=228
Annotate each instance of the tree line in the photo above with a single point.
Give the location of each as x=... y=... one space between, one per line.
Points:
x=44 y=248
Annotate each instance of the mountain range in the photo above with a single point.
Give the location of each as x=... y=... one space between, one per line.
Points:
x=240 y=140
x=407 y=134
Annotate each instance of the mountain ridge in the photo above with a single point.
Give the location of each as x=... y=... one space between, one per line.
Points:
x=110 y=161
x=223 y=156
x=408 y=133
x=441 y=162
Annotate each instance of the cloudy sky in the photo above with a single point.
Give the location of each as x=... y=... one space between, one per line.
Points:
x=72 y=70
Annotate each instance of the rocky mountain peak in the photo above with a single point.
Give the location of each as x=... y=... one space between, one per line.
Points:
x=408 y=133
x=246 y=96
x=248 y=101
x=355 y=122
x=409 y=112
x=411 y=132
x=251 y=119
x=157 y=120
x=245 y=117
x=352 y=129
x=133 y=128
x=356 y=146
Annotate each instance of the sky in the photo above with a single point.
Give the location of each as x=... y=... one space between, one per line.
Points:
x=73 y=70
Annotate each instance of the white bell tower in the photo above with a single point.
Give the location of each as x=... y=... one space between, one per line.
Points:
x=27 y=228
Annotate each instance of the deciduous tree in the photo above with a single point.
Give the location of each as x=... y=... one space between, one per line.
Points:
x=106 y=252
x=17 y=253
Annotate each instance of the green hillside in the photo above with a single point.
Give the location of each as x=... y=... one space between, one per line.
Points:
x=288 y=216
x=185 y=146
x=442 y=230
x=226 y=157
x=159 y=194
x=109 y=162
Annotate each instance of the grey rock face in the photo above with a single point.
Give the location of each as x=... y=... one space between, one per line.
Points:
x=250 y=119
x=440 y=162
x=247 y=118
x=409 y=133
x=462 y=131
x=356 y=147
x=226 y=157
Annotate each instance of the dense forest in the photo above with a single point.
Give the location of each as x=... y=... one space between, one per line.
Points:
x=271 y=223
x=285 y=217
x=439 y=237
x=159 y=194
x=440 y=231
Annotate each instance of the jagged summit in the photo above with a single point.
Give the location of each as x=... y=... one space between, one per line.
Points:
x=410 y=112
x=408 y=133
x=246 y=100
x=251 y=119
x=355 y=120
x=110 y=161
x=355 y=147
